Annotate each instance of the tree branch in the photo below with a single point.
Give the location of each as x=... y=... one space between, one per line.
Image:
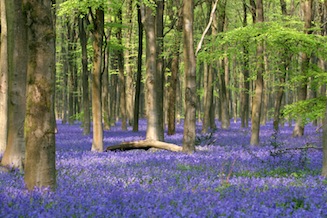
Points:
x=207 y=28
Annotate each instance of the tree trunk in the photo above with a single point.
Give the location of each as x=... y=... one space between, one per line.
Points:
x=257 y=99
x=128 y=61
x=85 y=77
x=71 y=77
x=97 y=144
x=17 y=35
x=160 y=61
x=65 y=79
x=245 y=98
x=3 y=79
x=282 y=78
x=145 y=144
x=40 y=168
x=122 y=82
x=172 y=90
x=190 y=77
x=139 y=72
x=302 y=89
x=224 y=106
x=153 y=79
x=223 y=93
x=105 y=87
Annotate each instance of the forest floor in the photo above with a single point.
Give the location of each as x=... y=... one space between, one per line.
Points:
x=226 y=177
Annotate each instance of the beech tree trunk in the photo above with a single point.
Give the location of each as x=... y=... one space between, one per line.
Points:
x=190 y=77
x=97 y=32
x=17 y=57
x=65 y=79
x=160 y=60
x=122 y=80
x=3 y=79
x=153 y=79
x=139 y=72
x=306 y=6
x=223 y=92
x=40 y=168
x=85 y=77
x=257 y=99
x=128 y=61
x=172 y=90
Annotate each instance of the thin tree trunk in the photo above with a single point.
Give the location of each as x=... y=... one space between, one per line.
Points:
x=17 y=35
x=160 y=61
x=40 y=168
x=3 y=79
x=139 y=71
x=282 y=78
x=122 y=80
x=105 y=88
x=190 y=77
x=257 y=99
x=173 y=82
x=71 y=79
x=302 y=89
x=65 y=79
x=208 y=115
x=224 y=101
x=128 y=61
x=97 y=143
x=85 y=77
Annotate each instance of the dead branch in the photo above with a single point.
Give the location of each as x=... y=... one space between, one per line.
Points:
x=282 y=151
x=144 y=144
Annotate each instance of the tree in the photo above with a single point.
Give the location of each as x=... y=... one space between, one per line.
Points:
x=40 y=167
x=172 y=90
x=139 y=71
x=190 y=77
x=153 y=79
x=17 y=59
x=85 y=76
x=257 y=100
x=3 y=79
x=97 y=33
x=306 y=6
x=121 y=76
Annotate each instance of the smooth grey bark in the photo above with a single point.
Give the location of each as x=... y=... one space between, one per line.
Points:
x=97 y=33
x=3 y=79
x=190 y=77
x=17 y=57
x=40 y=167
x=153 y=78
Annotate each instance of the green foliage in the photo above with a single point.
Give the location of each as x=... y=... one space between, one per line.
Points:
x=81 y=7
x=276 y=35
x=310 y=109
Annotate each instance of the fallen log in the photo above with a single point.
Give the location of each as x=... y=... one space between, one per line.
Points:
x=144 y=144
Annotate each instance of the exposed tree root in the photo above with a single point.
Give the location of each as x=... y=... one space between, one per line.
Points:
x=144 y=144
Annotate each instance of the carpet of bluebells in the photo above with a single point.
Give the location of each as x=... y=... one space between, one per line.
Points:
x=226 y=177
